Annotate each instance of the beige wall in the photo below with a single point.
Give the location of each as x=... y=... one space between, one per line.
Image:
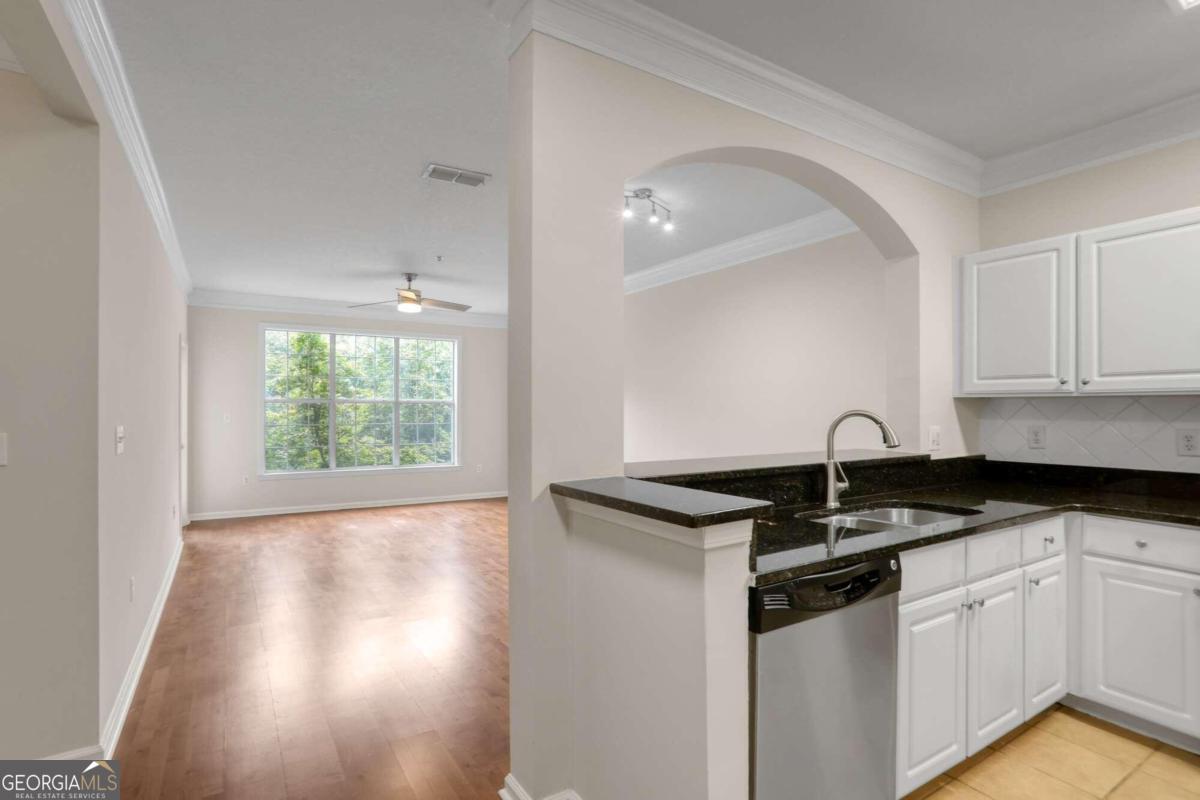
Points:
x=48 y=392
x=569 y=112
x=143 y=317
x=1152 y=183
x=224 y=382
x=758 y=358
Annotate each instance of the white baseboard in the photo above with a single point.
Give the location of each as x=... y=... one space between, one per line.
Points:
x=89 y=753
x=1135 y=724
x=514 y=791
x=405 y=501
x=116 y=717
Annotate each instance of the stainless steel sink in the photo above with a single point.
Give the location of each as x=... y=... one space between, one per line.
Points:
x=887 y=517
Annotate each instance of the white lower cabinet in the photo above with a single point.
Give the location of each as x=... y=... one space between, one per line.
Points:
x=1045 y=634
x=1140 y=644
x=995 y=664
x=931 y=688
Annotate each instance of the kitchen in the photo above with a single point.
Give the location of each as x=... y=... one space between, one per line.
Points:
x=1018 y=556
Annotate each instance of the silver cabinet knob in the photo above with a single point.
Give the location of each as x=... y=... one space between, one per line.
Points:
x=1086 y=381
x=1062 y=381
x=1141 y=543
x=968 y=606
x=980 y=602
x=1048 y=539
x=1196 y=592
x=1036 y=581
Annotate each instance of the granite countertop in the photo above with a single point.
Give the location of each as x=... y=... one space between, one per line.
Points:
x=678 y=505
x=725 y=467
x=786 y=546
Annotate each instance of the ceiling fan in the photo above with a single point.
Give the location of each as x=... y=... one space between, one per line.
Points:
x=410 y=301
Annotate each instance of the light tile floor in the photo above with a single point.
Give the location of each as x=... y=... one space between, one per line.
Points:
x=1066 y=754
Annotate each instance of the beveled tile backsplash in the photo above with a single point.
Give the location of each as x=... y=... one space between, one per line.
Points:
x=1128 y=432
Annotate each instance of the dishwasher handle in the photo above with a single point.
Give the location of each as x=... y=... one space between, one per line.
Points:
x=788 y=602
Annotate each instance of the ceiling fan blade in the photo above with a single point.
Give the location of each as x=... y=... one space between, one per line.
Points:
x=411 y=294
x=381 y=302
x=429 y=302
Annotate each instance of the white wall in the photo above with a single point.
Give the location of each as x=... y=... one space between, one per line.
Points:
x=758 y=358
x=49 y=241
x=224 y=380
x=569 y=112
x=143 y=317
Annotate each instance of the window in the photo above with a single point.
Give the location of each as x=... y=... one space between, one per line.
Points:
x=346 y=401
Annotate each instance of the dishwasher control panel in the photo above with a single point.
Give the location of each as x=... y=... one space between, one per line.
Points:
x=789 y=602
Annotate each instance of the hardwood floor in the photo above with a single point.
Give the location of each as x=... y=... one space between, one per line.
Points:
x=1066 y=755
x=349 y=654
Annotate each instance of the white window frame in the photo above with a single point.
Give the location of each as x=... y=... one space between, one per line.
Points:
x=333 y=470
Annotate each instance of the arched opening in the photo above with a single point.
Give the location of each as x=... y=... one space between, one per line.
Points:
x=781 y=295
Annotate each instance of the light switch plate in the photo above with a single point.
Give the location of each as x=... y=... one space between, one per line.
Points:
x=119 y=439
x=935 y=437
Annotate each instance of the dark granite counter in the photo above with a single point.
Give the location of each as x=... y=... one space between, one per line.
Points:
x=678 y=505
x=731 y=467
x=790 y=544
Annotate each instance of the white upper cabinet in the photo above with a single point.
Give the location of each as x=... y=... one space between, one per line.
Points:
x=1017 y=319
x=1139 y=323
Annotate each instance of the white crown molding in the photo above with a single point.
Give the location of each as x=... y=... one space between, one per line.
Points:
x=99 y=48
x=641 y=37
x=805 y=231
x=240 y=301
x=1155 y=128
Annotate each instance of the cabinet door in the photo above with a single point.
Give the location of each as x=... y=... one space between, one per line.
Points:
x=1045 y=634
x=1138 y=326
x=1017 y=319
x=1140 y=649
x=995 y=666
x=931 y=689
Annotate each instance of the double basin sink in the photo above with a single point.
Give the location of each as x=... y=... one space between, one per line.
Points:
x=893 y=517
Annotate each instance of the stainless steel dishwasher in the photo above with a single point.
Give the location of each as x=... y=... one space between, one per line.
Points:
x=824 y=710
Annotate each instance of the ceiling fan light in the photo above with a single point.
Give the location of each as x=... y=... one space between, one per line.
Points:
x=668 y=226
x=408 y=306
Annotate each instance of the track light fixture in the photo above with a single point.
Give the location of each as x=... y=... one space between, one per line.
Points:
x=659 y=213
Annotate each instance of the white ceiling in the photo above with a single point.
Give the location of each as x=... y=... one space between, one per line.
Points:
x=711 y=204
x=990 y=77
x=291 y=138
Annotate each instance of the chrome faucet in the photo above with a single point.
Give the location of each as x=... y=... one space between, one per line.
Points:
x=835 y=478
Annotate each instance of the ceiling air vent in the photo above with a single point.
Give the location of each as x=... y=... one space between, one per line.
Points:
x=467 y=177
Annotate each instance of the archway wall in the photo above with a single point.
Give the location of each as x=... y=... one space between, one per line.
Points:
x=580 y=125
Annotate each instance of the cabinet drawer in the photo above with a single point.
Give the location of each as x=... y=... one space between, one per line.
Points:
x=990 y=553
x=1043 y=539
x=931 y=569
x=1147 y=542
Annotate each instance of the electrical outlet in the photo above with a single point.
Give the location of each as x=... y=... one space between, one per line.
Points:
x=935 y=437
x=1037 y=437
x=131 y=588
x=1187 y=442
x=226 y=417
x=245 y=479
x=479 y=467
x=119 y=439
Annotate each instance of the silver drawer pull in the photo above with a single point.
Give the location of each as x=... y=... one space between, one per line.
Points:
x=1048 y=539
x=1036 y=581
x=1141 y=543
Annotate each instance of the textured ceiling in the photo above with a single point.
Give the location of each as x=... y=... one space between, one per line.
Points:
x=990 y=77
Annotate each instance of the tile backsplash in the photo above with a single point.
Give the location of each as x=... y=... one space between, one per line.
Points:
x=1129 y=432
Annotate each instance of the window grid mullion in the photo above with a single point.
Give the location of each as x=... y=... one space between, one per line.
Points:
x=331 y=390
x=395 y=401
